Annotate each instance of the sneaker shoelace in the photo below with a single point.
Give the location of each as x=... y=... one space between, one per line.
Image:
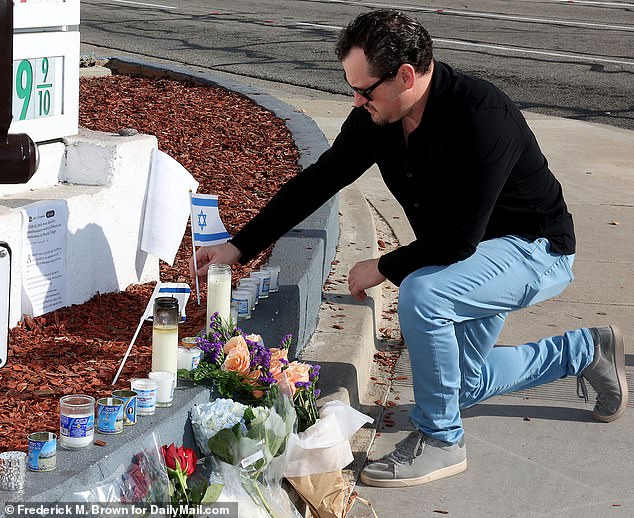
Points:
x=409 y=448
x=582 y=389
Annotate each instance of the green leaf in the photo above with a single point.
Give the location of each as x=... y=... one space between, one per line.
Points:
x=212 y=494
x=195 y=494
x=223 y=444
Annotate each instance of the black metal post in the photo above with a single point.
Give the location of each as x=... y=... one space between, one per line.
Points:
x=18 y=154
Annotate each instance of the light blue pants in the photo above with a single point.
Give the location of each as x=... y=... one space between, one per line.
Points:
x=451 y=317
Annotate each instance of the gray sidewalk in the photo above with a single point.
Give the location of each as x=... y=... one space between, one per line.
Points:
x=536 y=453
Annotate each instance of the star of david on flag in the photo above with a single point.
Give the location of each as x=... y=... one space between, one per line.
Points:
x=207 y=227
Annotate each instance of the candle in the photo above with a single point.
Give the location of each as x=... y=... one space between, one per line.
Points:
x=265 y=281
x=12 y=471
x=165 y=390
x=188 y=357
x=218 y=292
x=146 y=395
x=110 y=412
x=129 y=405
x=243 y=298
x=76 y=421
x=165 y=334
x=252 y=285
x=42 y=451
x=275 y=277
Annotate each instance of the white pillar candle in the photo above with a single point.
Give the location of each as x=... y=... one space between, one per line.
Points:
x=219 y=292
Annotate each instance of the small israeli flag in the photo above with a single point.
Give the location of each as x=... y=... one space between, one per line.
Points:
x=179 y=290
x=207 y=227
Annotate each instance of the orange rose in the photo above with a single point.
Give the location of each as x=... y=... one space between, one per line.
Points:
x=237 y=342
x=253 y=379
x=276 y=364
x=237 y=360
x=297 y=371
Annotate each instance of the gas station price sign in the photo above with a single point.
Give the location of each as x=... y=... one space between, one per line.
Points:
x=38 y=87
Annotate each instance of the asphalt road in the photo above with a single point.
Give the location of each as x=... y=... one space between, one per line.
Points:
x=569 y=58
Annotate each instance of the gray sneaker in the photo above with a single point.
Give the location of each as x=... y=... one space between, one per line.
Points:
x=416 y=460
x=606 y=374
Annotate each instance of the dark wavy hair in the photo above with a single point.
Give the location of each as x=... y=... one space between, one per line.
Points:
x=389 y=39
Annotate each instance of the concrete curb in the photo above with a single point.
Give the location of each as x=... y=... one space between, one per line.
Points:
x=344 y=343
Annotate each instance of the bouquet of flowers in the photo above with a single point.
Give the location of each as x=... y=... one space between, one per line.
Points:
x=246 y=437
x=242 y=368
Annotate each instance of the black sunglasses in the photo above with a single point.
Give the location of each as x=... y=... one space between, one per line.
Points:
x=365 y=92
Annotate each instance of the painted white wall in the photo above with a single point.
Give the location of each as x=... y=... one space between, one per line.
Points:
x=103 y=178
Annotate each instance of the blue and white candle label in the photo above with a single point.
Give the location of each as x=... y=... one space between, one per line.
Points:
x=146 y=400
x=129 y=416
x=243 y=306
x=42 y=455
x=77 y=426
x=110 y=416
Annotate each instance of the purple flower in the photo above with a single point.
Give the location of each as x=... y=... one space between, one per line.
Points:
x=317 y=392
x=211 y=350
x=302 y=384
x=314 y=372
x=266 y=378
x=286 y=341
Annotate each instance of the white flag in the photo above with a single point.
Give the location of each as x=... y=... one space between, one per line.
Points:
x=206 y=223
x=179 y=290
x=166 y=207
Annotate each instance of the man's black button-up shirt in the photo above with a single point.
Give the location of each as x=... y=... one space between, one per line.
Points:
x=471 y=171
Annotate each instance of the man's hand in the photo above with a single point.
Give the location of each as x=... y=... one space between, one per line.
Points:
x=364 y=274
x=225 y=253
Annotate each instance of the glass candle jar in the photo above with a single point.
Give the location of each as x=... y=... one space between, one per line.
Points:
x=165 y=381
x=254 y=286
x=218 y=292
x=189 y=358
x=145 y=389
x=274 y=286
x=244 y=301
x=76 y=421
x=165 y=335
x=264 y=279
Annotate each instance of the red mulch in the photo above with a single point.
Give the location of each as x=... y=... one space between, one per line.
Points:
x=235 y=149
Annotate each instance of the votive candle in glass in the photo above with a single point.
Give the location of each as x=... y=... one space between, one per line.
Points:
x=165 y=391
x=76 y=421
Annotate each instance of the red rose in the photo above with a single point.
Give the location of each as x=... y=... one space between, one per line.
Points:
x=179 y=459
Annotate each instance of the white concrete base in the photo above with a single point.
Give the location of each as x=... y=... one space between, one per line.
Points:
x=103 y=178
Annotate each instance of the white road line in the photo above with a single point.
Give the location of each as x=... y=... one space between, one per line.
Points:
x=142 y=3
x=519 y=50
x=478 y=14
x=591 y=2
x=580 y=57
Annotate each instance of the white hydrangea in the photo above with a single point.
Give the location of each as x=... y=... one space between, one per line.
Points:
x=209 y=418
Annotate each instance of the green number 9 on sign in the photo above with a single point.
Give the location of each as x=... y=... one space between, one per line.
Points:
x=24 y=85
